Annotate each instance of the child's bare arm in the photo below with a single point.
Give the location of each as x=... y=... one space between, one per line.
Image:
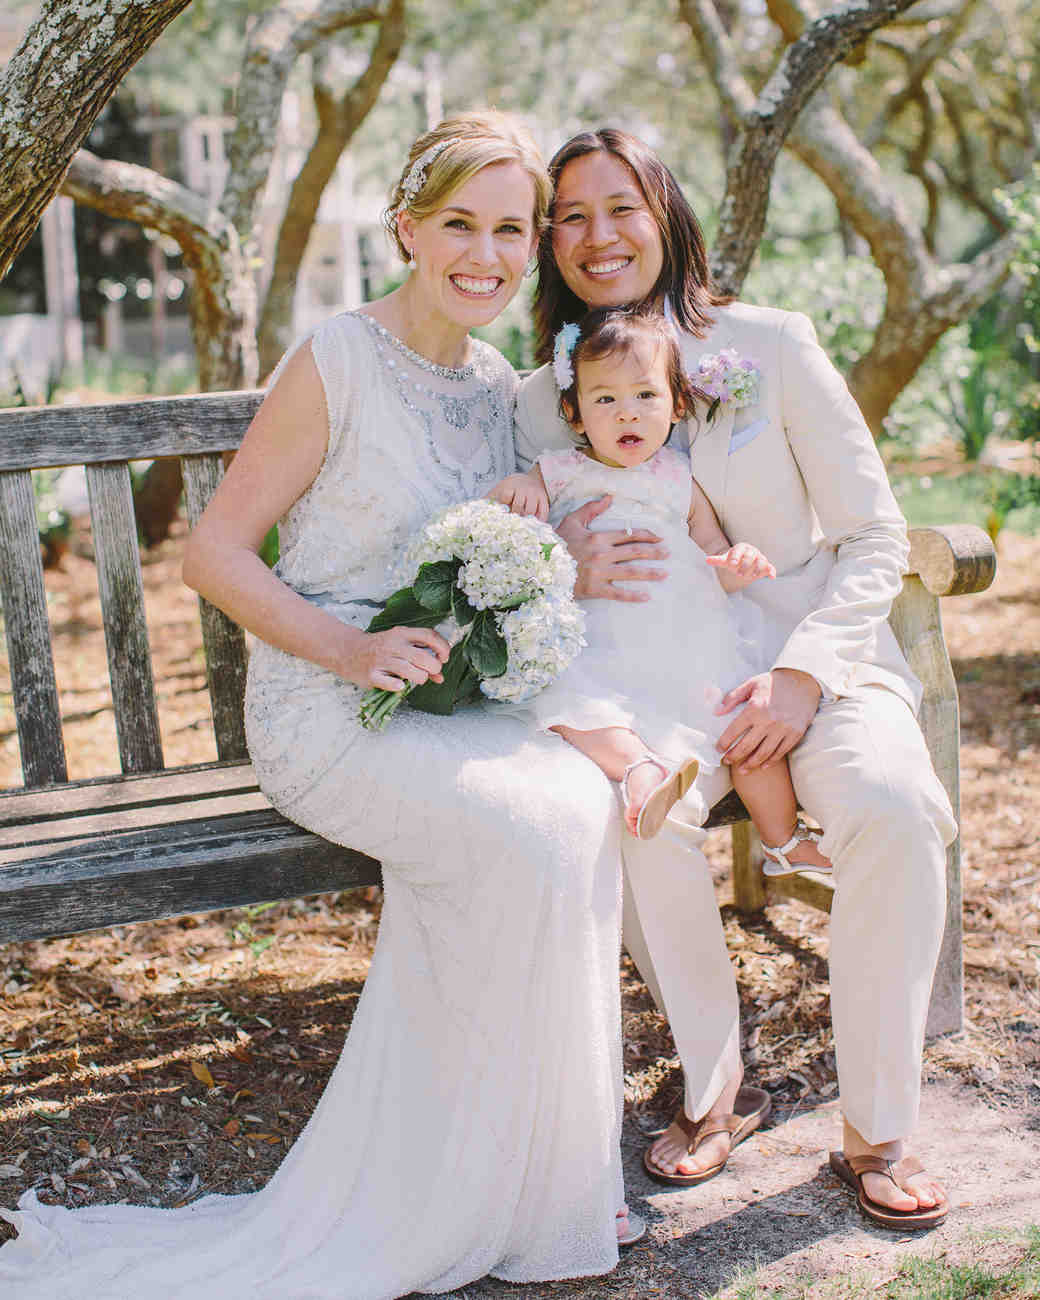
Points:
x=736 y=566
x=524 y=494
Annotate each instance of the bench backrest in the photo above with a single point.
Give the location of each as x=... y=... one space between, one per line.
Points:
x=199 y=429
x=105 y=439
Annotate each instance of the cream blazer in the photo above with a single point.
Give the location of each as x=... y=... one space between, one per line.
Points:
x=799 y=476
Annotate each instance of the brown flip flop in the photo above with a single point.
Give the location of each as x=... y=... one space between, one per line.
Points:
x=850 y=1169
x=751 y=1108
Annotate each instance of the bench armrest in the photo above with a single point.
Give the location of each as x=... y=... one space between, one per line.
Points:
x=952 y=559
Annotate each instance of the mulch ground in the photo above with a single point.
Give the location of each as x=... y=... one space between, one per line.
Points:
x=160 y=1061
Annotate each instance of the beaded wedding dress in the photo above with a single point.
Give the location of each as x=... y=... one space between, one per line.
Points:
x=472 y=1123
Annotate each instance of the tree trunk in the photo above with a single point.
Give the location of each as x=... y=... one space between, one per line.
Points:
x=157 y=499
x=275 y=42
x=923 y=297
x=910 y=329
x=223 y=296
x=338 y=120
x=766 y=125
x=222 y=302
x=51 y=92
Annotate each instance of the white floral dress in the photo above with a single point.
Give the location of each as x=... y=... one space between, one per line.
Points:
x=660 y=666
x=472 y=1123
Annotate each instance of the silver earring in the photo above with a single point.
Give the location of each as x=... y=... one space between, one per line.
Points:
x=412 y=263
x=532 y=266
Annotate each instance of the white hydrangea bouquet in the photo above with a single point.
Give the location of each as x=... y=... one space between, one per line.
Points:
x=499 y=587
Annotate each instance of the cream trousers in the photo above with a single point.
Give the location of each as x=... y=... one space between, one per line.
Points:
x=863 y=772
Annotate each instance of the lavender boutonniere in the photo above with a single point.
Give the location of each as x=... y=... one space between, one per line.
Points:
x=727 y=377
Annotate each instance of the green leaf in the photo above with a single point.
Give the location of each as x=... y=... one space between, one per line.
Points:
x=441 y=697
x=547 y=549
x=403 y=610
x=434 y=583
x=486 y=646
x=463 y=612
x=713 y=408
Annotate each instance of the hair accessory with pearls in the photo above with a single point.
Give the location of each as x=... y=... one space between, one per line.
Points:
x=416 y=177
x=563 y=346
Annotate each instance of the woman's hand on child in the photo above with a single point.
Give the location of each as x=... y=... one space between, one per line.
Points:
x=606 y=559
x=778 y=708
x=524 y=494
x=392 y=659
x=743 y=561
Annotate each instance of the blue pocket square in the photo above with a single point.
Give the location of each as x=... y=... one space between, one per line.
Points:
x=741 y=438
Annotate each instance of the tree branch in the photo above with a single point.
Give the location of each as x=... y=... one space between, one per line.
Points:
x=276 y=41
x=923 y=298
x=51 y=92
x=223 y=299
x=717 y=50
x=796 y=78
x=338 y=120
x=129 y=192
x=920 y=62
x=919 y=162
x=910 y=329
x=825 y=142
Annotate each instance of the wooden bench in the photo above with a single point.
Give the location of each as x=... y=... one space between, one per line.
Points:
x=155 y=842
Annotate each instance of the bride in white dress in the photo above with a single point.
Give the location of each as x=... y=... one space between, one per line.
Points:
x=472 y=1123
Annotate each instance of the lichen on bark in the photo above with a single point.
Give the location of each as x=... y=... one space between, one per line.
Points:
x=51 y=91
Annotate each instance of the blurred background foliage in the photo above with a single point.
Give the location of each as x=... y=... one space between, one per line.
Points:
x=950 y=146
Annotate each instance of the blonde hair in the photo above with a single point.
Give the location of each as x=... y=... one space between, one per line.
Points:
x=470 y=142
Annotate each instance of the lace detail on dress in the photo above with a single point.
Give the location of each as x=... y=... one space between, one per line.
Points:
x=658 y=489
x=457 y=416
x=406 y=438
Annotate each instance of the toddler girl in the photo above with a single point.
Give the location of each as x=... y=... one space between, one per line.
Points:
x=660 y=666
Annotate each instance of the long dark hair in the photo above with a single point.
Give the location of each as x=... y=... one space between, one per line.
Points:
x=685 y=276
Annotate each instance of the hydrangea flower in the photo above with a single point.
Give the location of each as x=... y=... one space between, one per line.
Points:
x=543 y=637
x=509 y=581
x=727 y=377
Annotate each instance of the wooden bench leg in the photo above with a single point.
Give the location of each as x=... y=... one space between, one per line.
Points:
x=749 y=886
x=917 y=622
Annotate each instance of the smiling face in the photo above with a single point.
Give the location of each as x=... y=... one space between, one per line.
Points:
x=625 y=404
x=605 y=239
x=471 y=252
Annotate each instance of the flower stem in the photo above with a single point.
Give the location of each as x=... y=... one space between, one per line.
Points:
x=378 y=706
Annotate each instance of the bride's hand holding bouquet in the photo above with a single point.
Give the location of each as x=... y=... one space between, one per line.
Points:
x=499 y=589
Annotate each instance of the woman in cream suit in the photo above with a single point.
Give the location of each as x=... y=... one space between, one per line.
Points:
x=798 y=475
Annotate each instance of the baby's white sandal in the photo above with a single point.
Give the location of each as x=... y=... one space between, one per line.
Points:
x=777 y=864
x=674 y=782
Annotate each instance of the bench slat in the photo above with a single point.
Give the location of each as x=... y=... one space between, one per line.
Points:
x=27 y=627
x=122 y=608
x=224 y=640
x=33 y=840
x=108 y=793
x=44 y=436
x=196 y=866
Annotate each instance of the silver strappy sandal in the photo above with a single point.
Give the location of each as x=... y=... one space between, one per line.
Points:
x=777 y=863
